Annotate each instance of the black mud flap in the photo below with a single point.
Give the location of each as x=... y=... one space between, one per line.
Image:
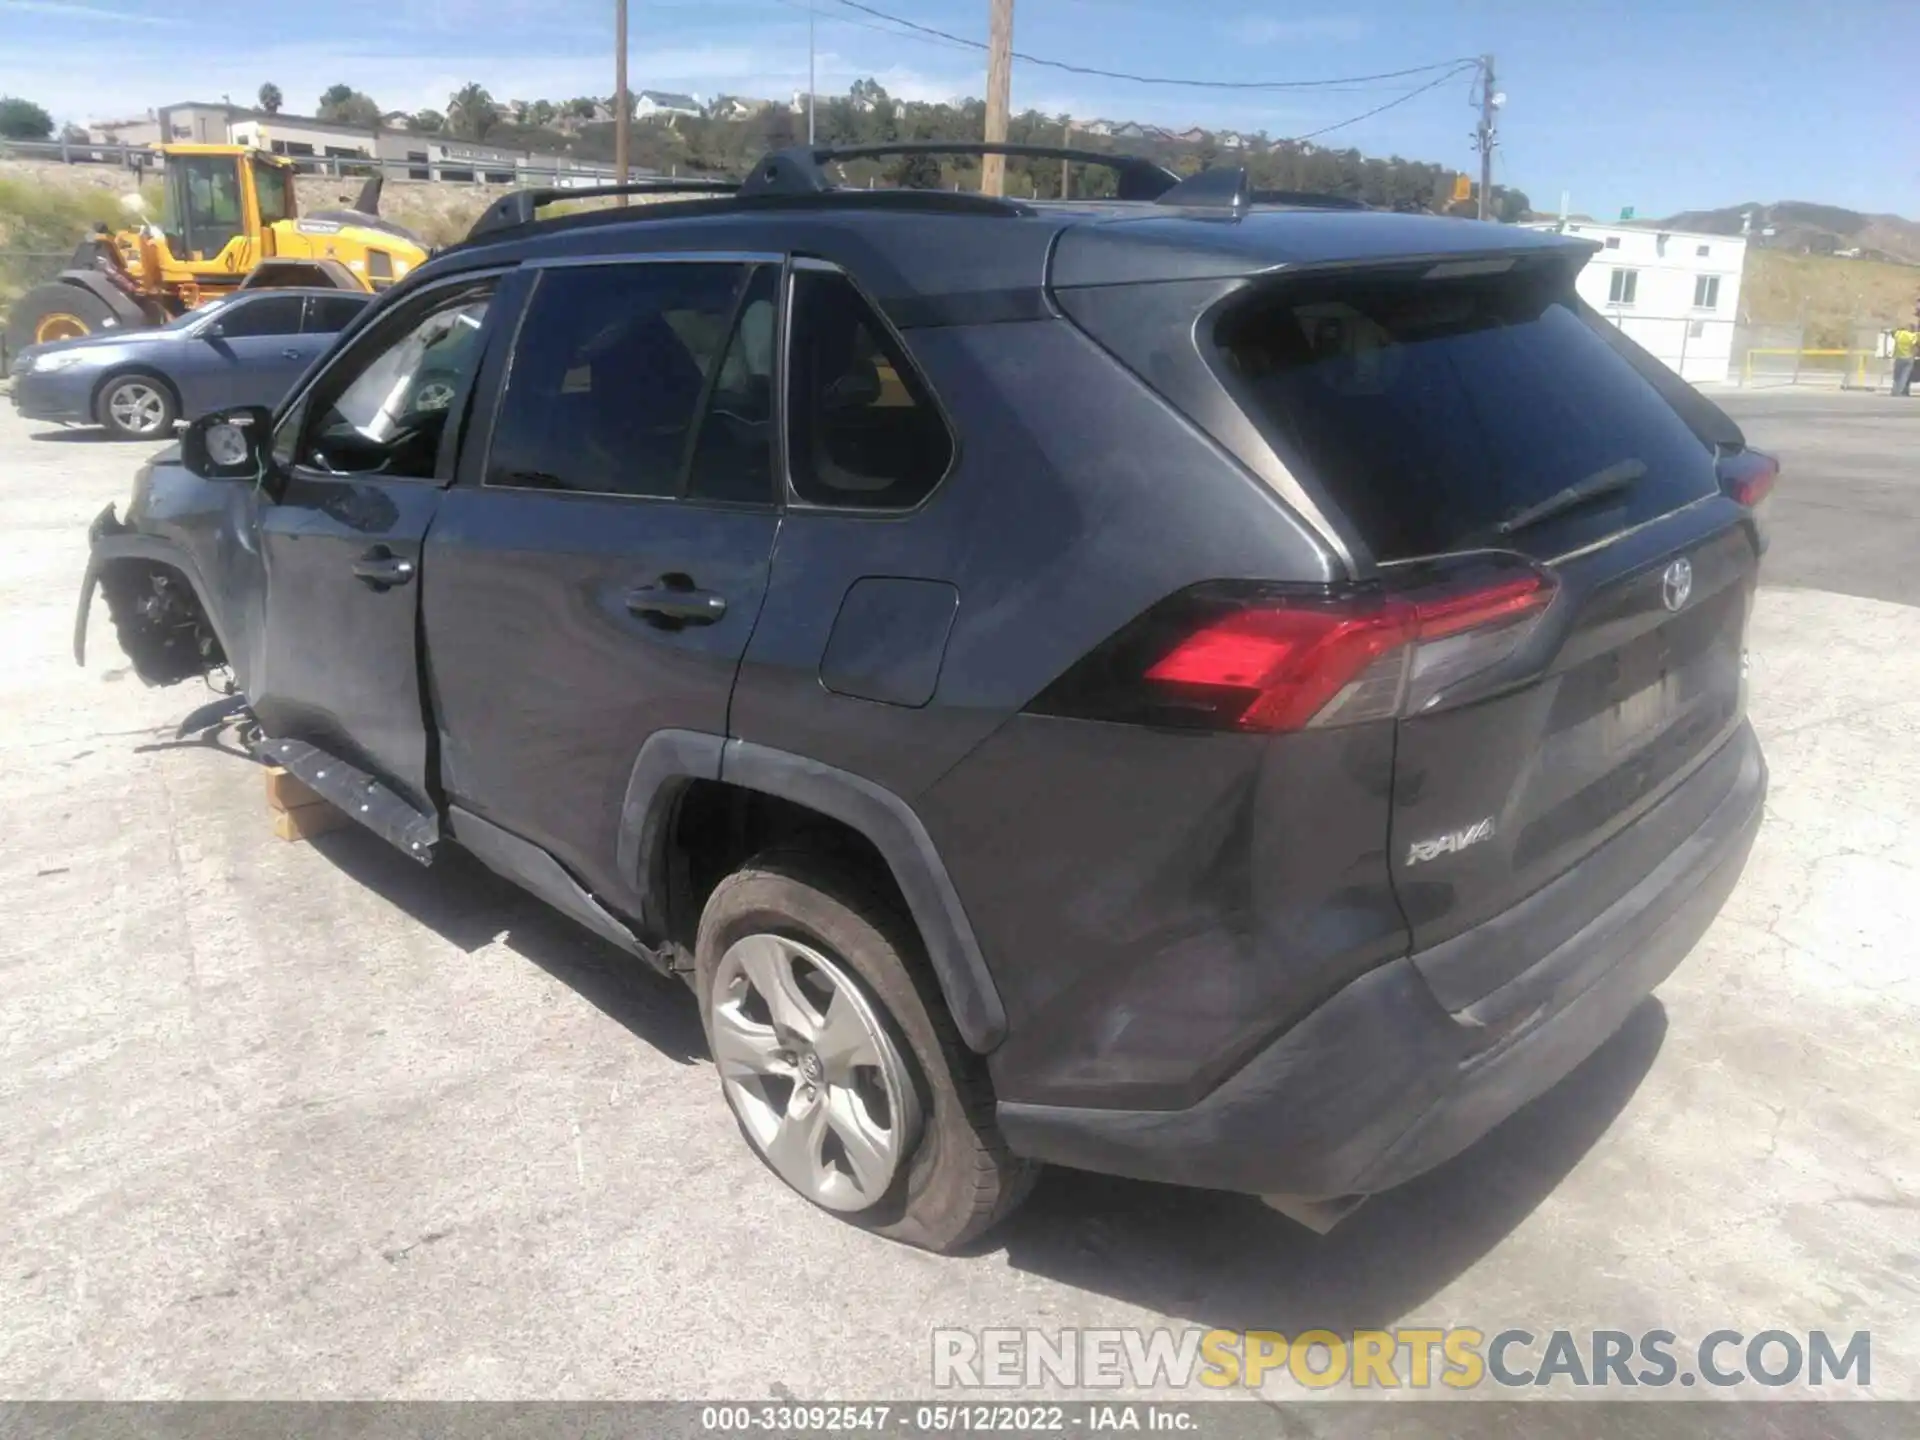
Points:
x=360 y=795
x=162 y=626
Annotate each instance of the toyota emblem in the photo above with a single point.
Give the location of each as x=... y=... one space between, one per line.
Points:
x=1677 y=584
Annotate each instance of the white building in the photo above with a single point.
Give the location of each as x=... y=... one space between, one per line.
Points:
x=1674 y=292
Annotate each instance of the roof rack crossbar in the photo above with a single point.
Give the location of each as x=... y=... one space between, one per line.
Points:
x=800 y=170
x=519 y=207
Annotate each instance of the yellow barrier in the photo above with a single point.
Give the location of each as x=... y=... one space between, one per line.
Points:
x=1860 y=368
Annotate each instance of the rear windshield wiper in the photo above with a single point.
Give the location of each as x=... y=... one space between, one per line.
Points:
x=1618 y=476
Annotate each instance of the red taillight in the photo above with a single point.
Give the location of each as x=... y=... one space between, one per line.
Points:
x=1288 y=662
x=1748 y=476
x=1244 y=657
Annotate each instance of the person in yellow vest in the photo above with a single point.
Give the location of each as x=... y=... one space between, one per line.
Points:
x=1905 y=339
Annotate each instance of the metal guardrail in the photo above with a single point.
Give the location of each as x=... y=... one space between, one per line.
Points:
x=495 y=170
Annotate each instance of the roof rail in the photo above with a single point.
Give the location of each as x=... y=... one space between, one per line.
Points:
x=799 y=169
x=1307 y=200
x=1226 y=187
x=518 y=207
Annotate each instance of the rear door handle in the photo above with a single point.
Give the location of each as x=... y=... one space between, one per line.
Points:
x=672 y=605
x=291 y=354
x=382 y=569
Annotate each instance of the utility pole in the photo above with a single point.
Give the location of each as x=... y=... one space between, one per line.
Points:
x=1483 y=135
x=1066 y=139
x=993 y=168
x=810 y=86
x=622 y=110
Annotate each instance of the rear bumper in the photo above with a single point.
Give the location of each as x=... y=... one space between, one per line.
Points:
x=61 y=396
x=1382 y=1083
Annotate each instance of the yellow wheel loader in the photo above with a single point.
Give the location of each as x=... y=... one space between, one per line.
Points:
x=230 y=220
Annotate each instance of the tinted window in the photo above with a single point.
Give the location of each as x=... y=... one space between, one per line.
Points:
x=733 y=458
x=383 y=407
x=270 y=185
x=327 y=314
x=864 y=431
x=608 y=374
x=1428 y=412
x=269 y=315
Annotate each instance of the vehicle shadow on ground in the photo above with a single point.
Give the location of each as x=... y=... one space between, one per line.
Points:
x=1226 y=1261
x=82 y=436
x=1215 y=1259
x=470 y=907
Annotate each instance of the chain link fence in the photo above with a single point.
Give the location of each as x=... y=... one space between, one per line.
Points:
x=1775 y=355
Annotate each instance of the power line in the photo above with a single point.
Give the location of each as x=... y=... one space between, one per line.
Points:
x=1397 y=100
x=1451 y=66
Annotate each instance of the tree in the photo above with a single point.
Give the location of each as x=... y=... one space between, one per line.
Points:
x=344 y=105
x=541 y=113
x=428 y=122
x=471 y=112
x=23 y=120
x=917 y=172
x=1510 y=206
x=271 y=99
x=582 y=107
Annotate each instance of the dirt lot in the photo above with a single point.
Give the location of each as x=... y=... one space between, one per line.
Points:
x=306 y=1120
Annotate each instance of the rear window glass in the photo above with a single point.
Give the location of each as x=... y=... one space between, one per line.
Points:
x=1431 y=411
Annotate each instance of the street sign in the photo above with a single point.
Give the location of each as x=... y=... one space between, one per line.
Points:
x=1462 y=188
x=1626 y=212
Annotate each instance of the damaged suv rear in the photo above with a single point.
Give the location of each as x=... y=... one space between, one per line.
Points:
x=1236 y=695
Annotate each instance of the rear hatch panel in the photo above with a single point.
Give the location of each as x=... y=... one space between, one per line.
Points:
x=1418 y=405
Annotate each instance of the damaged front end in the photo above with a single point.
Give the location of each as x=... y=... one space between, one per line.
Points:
x=157 y=614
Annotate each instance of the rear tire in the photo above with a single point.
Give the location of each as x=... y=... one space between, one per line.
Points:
x=137 y=406
x=952 y=1177
x=54 y=311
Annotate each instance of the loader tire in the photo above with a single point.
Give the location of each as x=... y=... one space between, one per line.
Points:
x=54 y=311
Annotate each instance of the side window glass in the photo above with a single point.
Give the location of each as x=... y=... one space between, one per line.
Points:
x=608 y=375
x=269 y=315
x=733 y=457
x=863 y=428
x=385 y=406
x=329 y=314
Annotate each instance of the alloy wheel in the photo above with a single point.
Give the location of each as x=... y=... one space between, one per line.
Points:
x=137 y=406
x=815 y=1079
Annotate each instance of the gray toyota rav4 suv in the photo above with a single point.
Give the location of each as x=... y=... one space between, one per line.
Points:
x=1235 y=693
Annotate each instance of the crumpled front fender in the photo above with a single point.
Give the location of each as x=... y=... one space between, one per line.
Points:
x=156 y=599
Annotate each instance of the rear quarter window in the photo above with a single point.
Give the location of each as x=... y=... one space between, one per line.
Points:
x=1429 y=411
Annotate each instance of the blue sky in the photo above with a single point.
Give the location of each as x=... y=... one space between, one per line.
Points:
x=1661 y=106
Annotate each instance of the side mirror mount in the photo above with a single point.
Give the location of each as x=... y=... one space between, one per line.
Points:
x=229 y=444
x=213 y=330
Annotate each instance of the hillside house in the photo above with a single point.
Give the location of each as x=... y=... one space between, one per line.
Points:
x=665 y=104
x=737 y=107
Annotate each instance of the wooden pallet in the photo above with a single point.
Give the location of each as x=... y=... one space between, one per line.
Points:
x=298 y=813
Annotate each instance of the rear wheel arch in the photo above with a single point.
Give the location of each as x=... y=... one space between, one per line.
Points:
x=697 y=806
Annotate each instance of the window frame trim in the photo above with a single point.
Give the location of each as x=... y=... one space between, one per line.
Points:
x=446 y=459
x=794 y=501
x=747 y=260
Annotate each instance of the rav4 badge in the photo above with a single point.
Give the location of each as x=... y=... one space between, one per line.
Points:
x=1450 y=843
